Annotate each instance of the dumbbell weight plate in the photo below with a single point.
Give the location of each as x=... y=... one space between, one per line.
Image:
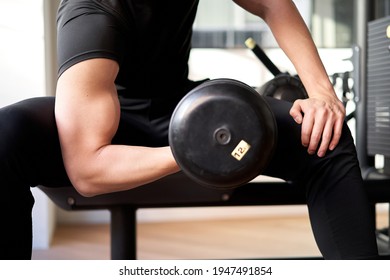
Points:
x=284 y=87
x=222 y=133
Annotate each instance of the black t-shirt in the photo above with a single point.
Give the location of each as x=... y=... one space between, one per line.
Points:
x=150 y=39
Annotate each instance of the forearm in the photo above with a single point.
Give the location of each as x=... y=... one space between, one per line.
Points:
x=285 y=20
x=117 y=167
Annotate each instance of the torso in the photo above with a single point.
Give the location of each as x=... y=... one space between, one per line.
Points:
x=151 y=41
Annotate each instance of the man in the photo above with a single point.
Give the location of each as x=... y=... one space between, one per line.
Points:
x=122 y=70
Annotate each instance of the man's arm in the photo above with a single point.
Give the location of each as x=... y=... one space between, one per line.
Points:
x=322 y=115
x=87 y=114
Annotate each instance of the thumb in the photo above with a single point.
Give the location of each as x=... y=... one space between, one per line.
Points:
x=296 y=112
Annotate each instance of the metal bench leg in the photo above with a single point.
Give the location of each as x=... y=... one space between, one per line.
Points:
x=123 y=233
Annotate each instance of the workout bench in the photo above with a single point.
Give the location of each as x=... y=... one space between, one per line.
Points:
x=179 y=191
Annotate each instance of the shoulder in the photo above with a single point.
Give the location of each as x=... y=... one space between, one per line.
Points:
x=87 y=30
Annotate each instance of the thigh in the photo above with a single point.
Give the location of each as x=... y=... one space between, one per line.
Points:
x=291 y=160
x=30 y=148
x=29 y=155
x=290 y=157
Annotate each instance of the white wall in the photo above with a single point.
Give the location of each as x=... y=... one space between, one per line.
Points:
x=21 y=50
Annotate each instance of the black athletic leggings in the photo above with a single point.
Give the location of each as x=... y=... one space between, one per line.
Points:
x=30 y=155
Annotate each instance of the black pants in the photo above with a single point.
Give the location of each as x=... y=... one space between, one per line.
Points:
x=30 y=155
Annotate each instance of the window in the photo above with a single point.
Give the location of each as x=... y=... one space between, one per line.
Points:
x=223 y=24
x=333 y=23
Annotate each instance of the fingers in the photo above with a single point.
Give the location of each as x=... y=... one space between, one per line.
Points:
x=332 y=130
x=326 y=139
x=306 y=133
x=296 y=112
x=312 y=132
x=321 y=126
x=337 y=131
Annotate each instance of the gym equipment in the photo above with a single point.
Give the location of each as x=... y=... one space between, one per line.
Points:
x=284 y=87
x=222 y=133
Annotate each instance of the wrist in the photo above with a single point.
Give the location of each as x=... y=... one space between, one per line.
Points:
x=170 y=164
x=320 y=89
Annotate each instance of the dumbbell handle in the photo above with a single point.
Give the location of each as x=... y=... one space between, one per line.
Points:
x=251 y=44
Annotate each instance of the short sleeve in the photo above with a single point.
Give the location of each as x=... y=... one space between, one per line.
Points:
x=87 y=33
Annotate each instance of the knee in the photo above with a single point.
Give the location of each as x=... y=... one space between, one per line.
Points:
x=346 y=143
x=339 y=163
x=23 y=121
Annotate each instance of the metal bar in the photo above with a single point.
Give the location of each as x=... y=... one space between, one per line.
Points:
x=123 y=233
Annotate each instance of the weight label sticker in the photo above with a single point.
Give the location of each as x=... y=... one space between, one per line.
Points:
x=240 y=151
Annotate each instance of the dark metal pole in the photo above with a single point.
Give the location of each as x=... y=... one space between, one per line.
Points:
x=363 y=11
x=123 y=233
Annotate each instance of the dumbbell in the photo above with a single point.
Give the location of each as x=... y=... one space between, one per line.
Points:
x=222 y=133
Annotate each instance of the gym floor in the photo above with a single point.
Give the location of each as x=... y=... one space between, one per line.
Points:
x=265 y=237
